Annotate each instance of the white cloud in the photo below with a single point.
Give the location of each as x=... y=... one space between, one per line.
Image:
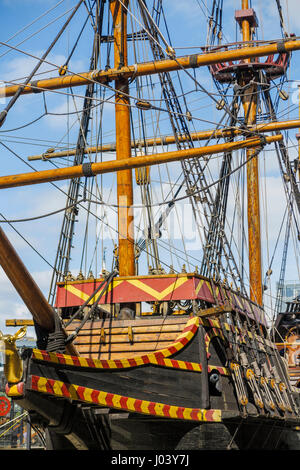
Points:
x=11 y=304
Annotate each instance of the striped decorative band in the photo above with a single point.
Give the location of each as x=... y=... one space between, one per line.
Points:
x=88 y=395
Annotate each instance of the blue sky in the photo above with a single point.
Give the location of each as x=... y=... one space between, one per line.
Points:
x=187 y=29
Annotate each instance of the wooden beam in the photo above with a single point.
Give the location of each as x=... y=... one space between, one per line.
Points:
x=154 y=67
x=41 y=311
x=19 y=322
x=25 y=285
x=215 y=311
x=47 y=176
x=169 y=139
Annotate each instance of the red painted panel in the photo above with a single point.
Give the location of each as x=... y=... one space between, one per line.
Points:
x=147 y=289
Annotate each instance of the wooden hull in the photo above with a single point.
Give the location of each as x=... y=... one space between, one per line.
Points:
x=170 y=397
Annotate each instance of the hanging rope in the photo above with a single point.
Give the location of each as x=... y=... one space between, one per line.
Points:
x=106 y=283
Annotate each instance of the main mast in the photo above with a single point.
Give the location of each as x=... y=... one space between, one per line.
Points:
x=123 y=143
x=246 y=18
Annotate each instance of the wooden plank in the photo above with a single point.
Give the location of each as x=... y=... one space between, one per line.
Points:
x=136 y=330
x=215 y=311
x=19 y=322
x=96 y=339
x=139 y=321
x=122 y=347
x=112 y=355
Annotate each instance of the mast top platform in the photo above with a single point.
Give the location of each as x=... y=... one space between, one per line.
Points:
x=225 y=72
x=274 y=66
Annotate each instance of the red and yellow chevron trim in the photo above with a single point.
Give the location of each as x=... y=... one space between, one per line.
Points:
x=210 y=334
x=157 y=358
x=16 y=390
x=156 y=288
x=114 y=364
x=111 y=400
x=221 y=370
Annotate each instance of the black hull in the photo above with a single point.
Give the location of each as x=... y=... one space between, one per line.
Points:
x=83 y=429
x=135 y=434
x=182 y=397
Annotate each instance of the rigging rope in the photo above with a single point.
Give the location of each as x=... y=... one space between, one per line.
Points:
x=105 y=286
x=13 y=100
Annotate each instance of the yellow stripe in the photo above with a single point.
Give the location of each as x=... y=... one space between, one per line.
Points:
x=200 y=284
x=153 y=292
x=69 y=360
x=116 y=401
x=125 y=363
x=153 y=359
x=173 y=411
x=144 y=407
x=238 y=300
x=41 y=385
x=54 y=357
x=73 y=391
x=57 y=388
x=159 y=409
x=187 y=413
x=130 y=404
x=168 y=363
x=112 y=365
x=102 y=397
x=83 y=362
x=88 y=394
x=217 y=415
x=39 y=355
x=139 y=361
x=83 y=296
x=209 y=287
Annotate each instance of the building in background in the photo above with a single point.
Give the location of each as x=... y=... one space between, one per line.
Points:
x=291 y=289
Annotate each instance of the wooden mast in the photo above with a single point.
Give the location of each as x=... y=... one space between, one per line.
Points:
x=123 y=143
x=250 y=108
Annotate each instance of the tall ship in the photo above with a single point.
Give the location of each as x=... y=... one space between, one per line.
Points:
x=163 y=171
